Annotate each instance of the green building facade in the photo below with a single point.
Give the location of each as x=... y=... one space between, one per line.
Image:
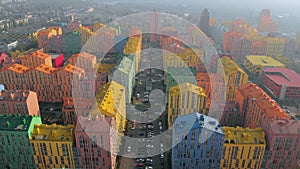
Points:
x=15 y=133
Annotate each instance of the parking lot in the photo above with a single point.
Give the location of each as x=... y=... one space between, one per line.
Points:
x=147 y=118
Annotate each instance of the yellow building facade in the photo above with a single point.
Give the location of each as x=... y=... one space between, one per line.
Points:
x=256 y=63
x=275 y=46
x=134 y=46
x=52 y=146
x=85 y=34
x=234 y=76
x=111 y=102
x=188 y=58
x=244 y=148
x=184 y=99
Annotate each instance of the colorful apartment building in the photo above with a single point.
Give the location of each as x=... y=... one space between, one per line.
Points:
x=23 y=102
x=85 y=34
x=256 y=106
x=265 y=24
x=197 y=142
x=256 y=63
x=154 y=27
x=124 y=75
x=179 y=56
x=229 y=38
x=185 y=98
x=84 y=60
x=178 y=75
x=96 y=142
x=72 y=42
x=230 y=115
x=15 y=150
x=283 y=144
x=34 y=58
x=103 y=71
x=111 y=102
x=211 y=84
x=134 y=45
x=234 y=76
x=72 y=108
x=52 y=146
x=50 y=84
x=275 y=46
x=243 y=148
x=283 y=83
x=44 y=36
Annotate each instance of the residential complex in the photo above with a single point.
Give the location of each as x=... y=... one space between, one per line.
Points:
x=52 y=146
x=184 y=99
x=243 y=148
x=198 y=142
x=256 y=63
x=283 y=83
x=265 y=23
x=19 y=102
x=15 y=150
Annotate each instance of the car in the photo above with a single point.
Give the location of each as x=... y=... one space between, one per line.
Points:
x=161 y=155
x=129 y=149
x=139 y=165
x=138 y=160
x=149 y=146
x=149 y=160
x=160 y=128
x=149 y=167
x=159 y=123
x=161 y=145
x=149 y=140
x=141 y=140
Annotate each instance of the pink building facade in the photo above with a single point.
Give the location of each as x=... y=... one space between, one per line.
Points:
x=283 y=144
x=94 y=135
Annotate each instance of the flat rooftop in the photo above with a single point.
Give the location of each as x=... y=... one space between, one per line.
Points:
x=186 y=122
x=283 y=76
x=240 y=135
x=264 y=61
x=15 y=122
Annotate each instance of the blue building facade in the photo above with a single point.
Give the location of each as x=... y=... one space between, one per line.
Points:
x=197 y=142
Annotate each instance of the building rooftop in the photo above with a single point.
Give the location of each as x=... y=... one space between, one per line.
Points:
x=83 y=55
x=109 y=97
x=53 y=132
x=184 y=123
x=94 y=124
x=18 y=68
x=15 y=95
x=283 y=76
x=126 y=65
x=269 y=107
x=285 y=127
x=73 y=69
x=38 y=54
x=264 y=61
x=240 y=135
x=15 y=122
x=46 y=69
x=229 y=65
x=185 y=87
x=104 y=68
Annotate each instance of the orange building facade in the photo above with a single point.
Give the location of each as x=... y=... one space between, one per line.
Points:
x=19 y=102
x=256 y=106
x=51 y=84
